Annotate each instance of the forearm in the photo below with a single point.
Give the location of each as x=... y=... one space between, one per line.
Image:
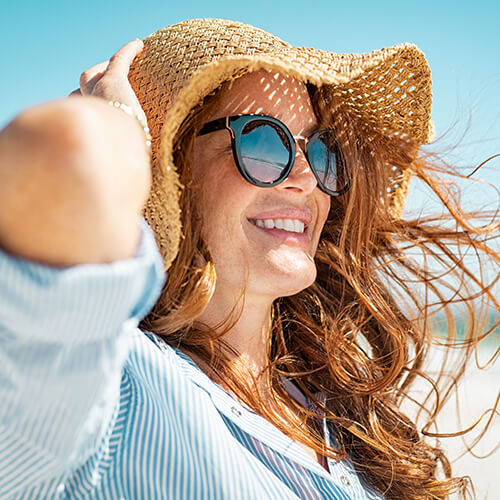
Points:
x=73 y=177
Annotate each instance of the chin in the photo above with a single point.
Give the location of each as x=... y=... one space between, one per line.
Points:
x=284 y=281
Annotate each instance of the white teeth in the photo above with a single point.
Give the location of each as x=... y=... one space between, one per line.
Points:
x=291 y=225
x=288 y=225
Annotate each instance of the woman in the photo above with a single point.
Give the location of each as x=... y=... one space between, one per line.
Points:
x=280 y=348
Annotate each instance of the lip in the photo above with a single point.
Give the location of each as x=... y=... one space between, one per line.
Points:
x=285 y=213
x=288 y=237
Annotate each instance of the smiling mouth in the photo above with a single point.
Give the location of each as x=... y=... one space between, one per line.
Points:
x=288 y=231
x=288 y=225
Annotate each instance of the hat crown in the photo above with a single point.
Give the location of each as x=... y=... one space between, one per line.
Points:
x=174 y=54
x=387 y=90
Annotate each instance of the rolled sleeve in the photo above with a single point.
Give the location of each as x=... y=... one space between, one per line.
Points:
x=63 y=342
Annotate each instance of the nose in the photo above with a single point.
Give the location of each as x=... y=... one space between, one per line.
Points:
x=301 y=177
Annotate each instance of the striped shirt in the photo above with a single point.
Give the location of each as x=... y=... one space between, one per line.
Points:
x=92 y=407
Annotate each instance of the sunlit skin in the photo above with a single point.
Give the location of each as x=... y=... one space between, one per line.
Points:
x=271 y=264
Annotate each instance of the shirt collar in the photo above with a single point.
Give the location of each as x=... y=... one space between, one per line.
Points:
x=240 y=415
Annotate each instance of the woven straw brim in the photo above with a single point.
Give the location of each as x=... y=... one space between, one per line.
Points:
x=388 y=90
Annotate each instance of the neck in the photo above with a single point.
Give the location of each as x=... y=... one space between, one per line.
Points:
x=250 y=326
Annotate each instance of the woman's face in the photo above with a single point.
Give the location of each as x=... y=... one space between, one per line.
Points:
x=272 y=262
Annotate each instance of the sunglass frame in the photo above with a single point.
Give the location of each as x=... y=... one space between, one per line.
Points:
x=235 y=125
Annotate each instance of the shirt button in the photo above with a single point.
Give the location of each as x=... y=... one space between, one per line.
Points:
x=236 y=411
x=344 y=480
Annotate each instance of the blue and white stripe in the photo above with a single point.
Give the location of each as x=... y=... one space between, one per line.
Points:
x=91 y=407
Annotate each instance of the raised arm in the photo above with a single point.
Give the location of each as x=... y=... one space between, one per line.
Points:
x=74 y=173
x=77 y=273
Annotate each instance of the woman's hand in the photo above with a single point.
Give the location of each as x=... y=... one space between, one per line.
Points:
x=108 y=80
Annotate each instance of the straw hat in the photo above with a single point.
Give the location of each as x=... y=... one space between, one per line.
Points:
x=388 y=89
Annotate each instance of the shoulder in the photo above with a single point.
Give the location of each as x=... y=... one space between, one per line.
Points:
x=151 y=363
x=164 y=398
x=159 y=371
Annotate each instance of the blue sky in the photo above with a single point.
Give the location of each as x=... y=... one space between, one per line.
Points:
x=46 y=45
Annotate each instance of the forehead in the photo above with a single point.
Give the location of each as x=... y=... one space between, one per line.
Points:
x=269 y=93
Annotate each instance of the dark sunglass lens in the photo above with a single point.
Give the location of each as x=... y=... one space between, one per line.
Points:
x=324 y=156
x=264 y=150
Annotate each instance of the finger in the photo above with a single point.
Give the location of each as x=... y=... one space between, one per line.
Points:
x=121 y=61
x=89 y=87
x=90 y=73
x=75 y=92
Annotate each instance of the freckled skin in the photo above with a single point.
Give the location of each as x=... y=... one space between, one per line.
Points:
x=240 y=250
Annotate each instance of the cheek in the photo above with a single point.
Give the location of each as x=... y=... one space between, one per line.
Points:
x=225 y=197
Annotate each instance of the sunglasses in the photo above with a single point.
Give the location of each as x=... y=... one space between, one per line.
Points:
x=264 y=152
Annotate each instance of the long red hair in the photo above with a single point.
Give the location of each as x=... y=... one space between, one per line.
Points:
x=356 y=340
